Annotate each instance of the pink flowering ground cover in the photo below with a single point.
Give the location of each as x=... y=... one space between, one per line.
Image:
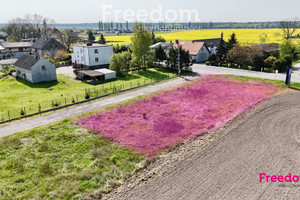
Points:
x=176 y=115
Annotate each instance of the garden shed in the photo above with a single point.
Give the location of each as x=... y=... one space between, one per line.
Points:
x=109 y=74
x=90 y=75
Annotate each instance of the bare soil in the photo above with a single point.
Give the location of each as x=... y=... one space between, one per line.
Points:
x=225 y=163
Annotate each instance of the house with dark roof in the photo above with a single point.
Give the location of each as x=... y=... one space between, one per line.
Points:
x=43 y=45
x=211 y=44
x=269 y=49
x=54 y=33
x=164 y=45
x=198 y=50
x=35 y=69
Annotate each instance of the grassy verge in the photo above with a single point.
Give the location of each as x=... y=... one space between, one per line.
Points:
x=62 y=161
x=280 y=83
x=17 y=95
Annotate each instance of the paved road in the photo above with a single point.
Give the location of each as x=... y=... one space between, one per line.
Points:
x=203 y=69
x=264 y=141
x=83 y=108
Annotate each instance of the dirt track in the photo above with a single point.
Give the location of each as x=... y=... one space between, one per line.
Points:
x=226 y=164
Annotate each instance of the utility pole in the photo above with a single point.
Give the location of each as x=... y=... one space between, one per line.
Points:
x=179 y=71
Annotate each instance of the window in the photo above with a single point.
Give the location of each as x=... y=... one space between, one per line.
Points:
x=97 y=59
x=43 y=68
x=96 y=50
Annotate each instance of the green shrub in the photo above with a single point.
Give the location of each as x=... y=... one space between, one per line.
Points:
x=270 y=61
x=281 y=65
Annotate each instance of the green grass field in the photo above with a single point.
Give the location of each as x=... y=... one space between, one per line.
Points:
x=62 y=161
x=16 y=94
x=251 y=36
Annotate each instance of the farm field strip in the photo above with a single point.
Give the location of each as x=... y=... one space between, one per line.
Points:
x=243 y=35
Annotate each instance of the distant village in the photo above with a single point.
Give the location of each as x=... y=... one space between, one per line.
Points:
x=35 y=59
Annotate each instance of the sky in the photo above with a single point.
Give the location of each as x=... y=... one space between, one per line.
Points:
x=92 y=11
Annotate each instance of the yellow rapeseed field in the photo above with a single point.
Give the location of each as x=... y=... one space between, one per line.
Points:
x=244 y=36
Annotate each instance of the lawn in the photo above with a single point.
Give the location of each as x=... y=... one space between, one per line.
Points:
x=17 y=94
x=166 y=119
x=243 y=35
x=62 y=161
x=66 y=161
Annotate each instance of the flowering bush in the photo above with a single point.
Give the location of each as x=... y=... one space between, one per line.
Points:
x=173 y=116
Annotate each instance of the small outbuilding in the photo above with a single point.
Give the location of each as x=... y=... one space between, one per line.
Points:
x=109 y=74
x=96 y=75
x=90 y=75
x=35 y=69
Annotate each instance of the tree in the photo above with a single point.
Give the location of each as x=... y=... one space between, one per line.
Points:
x=160 y=54
x=282 y=64
x=69 y=37
x=14 y=30
x=221 y=50
x=62 y=55
x=141 y=40
x=263 y=38
x=286 y=47
x=184 y=57
x=127 y=26
x=270 y=61
x=244 y=55
x=159 y=39
x=121 y=63
x=232 y=41
x=91 y=36
x=102 y=39
x=288 y=27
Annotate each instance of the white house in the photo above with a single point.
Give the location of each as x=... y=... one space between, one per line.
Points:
x=198 y=50
x=35 y=69
x=92 y=56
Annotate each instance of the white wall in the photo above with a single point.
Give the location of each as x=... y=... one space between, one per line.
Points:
x=86 y=55
x=42 y=75
x=23 y=74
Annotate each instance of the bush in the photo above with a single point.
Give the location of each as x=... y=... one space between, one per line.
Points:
x=62 y=55
x=270 y=61
x=207 y=62
x=281 y=65
x=258 y=63
x=212 y=57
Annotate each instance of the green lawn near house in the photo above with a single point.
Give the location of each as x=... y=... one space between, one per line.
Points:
x=17 y=94
x=62 y=161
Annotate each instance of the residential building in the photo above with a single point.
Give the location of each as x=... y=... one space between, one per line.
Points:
x=92 y=56
x=198 y=50
x=164 y=45
x=10 y=50
x=269 y=49
x=54 y=33
x=44 y=45
x=212 y=44
x=35 y=69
